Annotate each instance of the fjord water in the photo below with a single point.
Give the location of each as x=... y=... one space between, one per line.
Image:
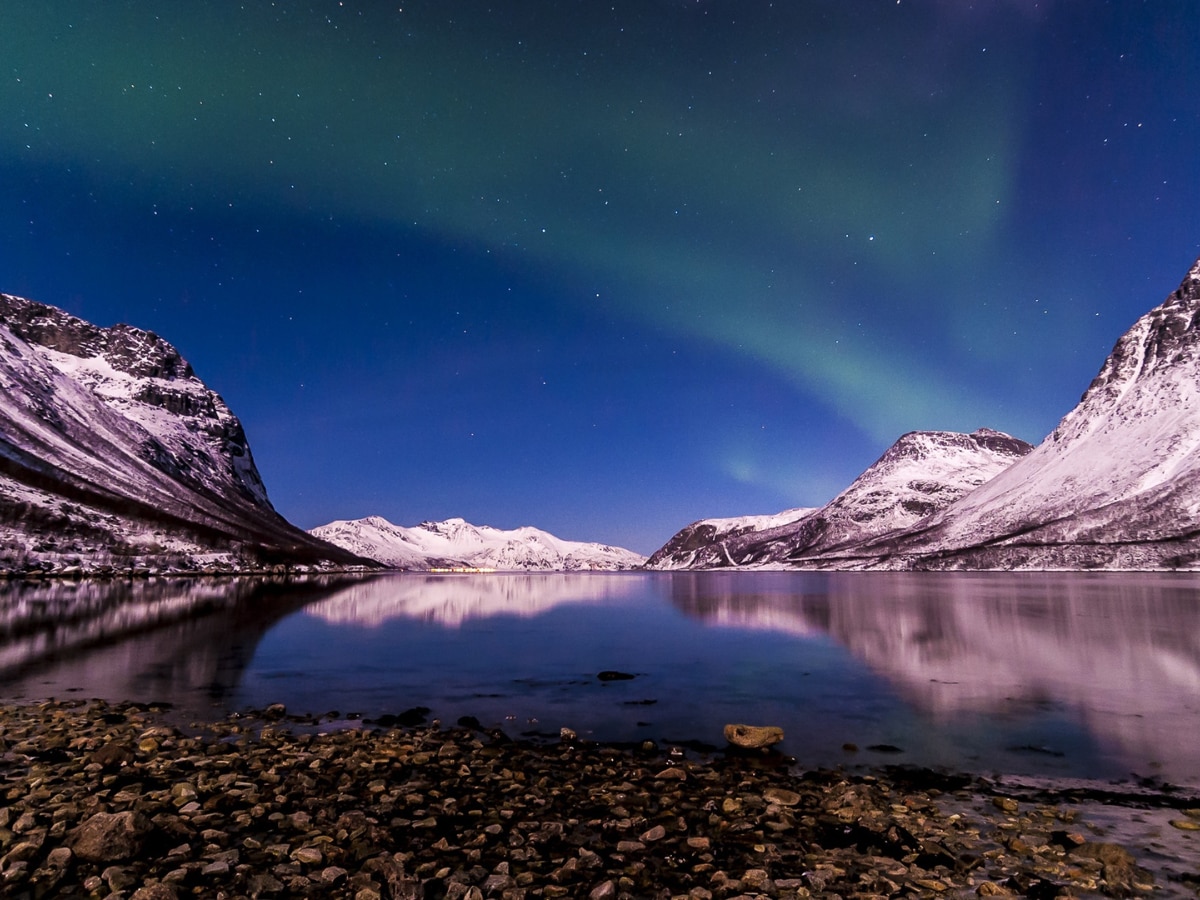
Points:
x=1080 y=675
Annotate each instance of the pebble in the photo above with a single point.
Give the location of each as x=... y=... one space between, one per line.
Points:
x=247 y=808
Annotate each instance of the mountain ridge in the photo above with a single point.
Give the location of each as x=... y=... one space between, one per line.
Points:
x=921 y=473
x=456 y=543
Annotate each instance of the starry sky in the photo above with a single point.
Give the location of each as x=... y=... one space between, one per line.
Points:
x=603 y=267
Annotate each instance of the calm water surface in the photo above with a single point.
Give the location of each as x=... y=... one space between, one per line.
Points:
x=1062 y=674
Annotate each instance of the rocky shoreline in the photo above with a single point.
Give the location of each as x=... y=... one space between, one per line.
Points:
x=104 y=800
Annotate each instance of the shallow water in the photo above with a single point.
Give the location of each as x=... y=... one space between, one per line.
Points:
x=1094 y=676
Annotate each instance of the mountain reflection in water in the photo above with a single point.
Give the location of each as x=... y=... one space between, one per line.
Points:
x=185 y=641
x=1083 y=674
x=451 y=600
x=1121 y=650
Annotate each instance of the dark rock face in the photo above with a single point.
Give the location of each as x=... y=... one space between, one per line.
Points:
x=698 y=540
x=703 y=544
x=127 y=349
x=1165 y=336
x=111 y=450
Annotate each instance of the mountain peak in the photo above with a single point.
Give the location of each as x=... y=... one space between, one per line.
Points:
x=921 y=473
x=133 y=351
x=1162 y=346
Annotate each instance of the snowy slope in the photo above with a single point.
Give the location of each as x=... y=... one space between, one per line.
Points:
x=703 y=544
x=1117 y=483
x=455 y=542
x=922 y=473
x=113 y=453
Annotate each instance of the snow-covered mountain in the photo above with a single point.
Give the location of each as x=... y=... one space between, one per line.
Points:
x=113 y=453
x=1115 y=485
x=703 y=544
x=456 y=543
x=922 y=473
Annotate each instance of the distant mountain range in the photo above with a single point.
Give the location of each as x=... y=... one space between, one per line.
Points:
x=114 y=455
x=455 y=543
x=1116 y=485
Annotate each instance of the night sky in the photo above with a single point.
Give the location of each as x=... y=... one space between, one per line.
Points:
x=604 y=267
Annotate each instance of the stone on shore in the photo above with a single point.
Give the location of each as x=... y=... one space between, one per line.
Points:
x=753 y=737
x=245 y=808
x=111 y=837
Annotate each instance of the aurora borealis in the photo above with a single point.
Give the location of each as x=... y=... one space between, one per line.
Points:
x=604 y=268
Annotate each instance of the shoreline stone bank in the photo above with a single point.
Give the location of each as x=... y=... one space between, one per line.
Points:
x=103 y=800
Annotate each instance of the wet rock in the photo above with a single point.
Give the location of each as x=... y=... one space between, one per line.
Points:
x=109 y=837
x=1006 y=804
x=415 y=715
x=756 y=880
x=781 y=796
x=113 y=755
x=753 y=737
x=1119 y=869
x=614 y=675
x=158 y=891
x=671 y=773
x=264 y=885
x=274 y=712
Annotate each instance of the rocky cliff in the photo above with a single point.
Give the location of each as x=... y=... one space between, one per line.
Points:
x=114 y=454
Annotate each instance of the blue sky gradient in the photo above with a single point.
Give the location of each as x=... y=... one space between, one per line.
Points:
x=603 y=268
